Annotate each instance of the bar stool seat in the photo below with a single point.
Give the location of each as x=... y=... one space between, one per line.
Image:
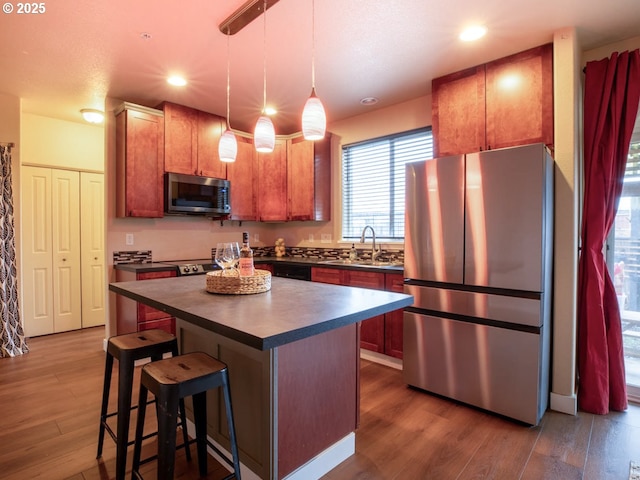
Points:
x=128 y=349
x=171 y=380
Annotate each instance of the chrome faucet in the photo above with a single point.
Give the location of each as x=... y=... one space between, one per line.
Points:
x=374 y=251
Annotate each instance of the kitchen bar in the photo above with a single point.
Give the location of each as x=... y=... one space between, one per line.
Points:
x=293 y=357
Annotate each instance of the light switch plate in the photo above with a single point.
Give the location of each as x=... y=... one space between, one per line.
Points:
x=325 y=238
x=129 y=239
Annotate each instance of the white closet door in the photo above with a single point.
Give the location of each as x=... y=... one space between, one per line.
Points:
x=92 y=250
x=37 y=283
x=65 y=190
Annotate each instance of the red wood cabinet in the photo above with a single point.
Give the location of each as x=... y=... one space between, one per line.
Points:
x=322 y=179
x=519 y=99
x=372 y=331
x=458 y=112
x=191 y=141
x=272 y=184
x=139 y=162
x=180 y=139
x=393 y=282
x=334 y=276
x=309 y=179
x=382 y=333
x=243 y=176
x=136 y=317
x=300 y=177
x=210 y=129
x=503 y=103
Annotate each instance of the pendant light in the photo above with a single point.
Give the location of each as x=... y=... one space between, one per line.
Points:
x=264 y=135
x=314 y=120
x=228 y=145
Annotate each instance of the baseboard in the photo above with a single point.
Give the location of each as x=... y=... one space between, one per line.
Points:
x=315 y=468
x=381 y=359
x=326 y=460
x=564 y=403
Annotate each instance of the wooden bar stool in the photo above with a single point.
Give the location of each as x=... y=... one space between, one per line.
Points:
x=170 y=380
x=127 y=349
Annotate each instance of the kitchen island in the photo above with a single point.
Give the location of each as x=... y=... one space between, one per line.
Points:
x=293 y=358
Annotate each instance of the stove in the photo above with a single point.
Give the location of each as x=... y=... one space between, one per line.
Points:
x=192 y=267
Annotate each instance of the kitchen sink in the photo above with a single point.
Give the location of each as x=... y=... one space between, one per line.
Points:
x=362 y=263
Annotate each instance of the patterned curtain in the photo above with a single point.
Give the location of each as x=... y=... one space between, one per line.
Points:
x=12 y=340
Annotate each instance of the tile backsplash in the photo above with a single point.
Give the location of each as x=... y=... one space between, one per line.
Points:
x=132 y=256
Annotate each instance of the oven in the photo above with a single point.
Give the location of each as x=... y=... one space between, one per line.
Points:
x=192 y=267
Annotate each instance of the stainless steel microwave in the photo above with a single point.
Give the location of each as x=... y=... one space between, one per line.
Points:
x=190 y=194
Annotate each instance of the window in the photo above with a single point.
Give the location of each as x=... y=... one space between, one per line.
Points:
x=373 y=182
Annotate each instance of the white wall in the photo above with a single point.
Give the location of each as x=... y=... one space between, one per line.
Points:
x=56 y=143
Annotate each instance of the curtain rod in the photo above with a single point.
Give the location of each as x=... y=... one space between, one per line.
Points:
x=8 y=144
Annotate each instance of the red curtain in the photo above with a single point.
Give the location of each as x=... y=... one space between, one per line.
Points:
x=611 y=96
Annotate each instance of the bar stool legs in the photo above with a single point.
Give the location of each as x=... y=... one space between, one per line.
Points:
x=171 y=380
x=127 y=349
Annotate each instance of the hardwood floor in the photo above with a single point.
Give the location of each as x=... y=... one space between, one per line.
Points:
x=50 y=403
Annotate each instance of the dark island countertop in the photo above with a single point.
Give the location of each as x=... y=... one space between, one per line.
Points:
x=290 y=311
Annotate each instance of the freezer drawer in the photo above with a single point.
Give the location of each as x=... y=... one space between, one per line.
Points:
x=502 y=308
x=492 y=368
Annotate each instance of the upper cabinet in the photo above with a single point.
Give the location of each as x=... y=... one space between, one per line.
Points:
x=272 y=184
x=503 y=103
x=300 y=177
x=139 y=161
x=191 y=141
x=309 y=179
x=292 y=183
x=243 y=176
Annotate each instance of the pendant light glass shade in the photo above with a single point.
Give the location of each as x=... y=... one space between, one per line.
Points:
x=228 y=147
x=264 y=135
x=314 y=120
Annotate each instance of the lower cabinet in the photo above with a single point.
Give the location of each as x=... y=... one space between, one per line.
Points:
x=393 y=282
x=136 y=317
x=382 y=333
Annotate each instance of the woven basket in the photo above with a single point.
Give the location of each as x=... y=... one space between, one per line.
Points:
x=234 y=284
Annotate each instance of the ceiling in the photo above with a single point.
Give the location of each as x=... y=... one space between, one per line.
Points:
x=75 y=54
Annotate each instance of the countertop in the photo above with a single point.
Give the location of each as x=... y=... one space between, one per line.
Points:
x=290 y=311
x=145 y=267
x=311 y=262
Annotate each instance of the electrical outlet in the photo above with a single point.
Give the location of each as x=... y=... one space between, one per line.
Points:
x=325 y=238
x=311 y=237
x=128 y=239
x=256 y=237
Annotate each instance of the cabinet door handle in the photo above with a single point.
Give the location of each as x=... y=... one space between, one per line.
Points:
x=64 y=259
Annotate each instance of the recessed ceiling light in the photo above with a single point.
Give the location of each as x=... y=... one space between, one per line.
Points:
x=145 y=36
x=177 y=81
x=473 y=33
x=92 y=116
x=270 y=111
x=369 y=101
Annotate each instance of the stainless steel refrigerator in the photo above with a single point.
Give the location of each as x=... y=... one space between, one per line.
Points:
x=478 y=261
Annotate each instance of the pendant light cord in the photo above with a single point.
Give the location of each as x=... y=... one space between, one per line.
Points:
x=313 y=46
x=228 y=81
x=264 y=72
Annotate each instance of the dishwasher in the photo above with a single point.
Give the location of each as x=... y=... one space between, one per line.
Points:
x=297 y=272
